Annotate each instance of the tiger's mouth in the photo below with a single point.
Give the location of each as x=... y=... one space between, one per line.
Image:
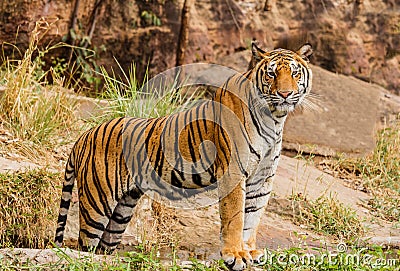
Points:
x=285 y=106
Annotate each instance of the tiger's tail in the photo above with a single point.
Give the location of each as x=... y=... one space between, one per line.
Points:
x=66 y=196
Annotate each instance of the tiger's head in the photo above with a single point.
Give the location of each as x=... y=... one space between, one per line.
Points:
x=282 y=76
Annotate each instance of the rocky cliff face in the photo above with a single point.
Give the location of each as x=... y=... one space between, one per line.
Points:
x=359 y=38
x=353 y=37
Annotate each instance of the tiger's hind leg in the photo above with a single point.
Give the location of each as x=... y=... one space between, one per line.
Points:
x=92 y=225
x=255 y=204
x=118 y=222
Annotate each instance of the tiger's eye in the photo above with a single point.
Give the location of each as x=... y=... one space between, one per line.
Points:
x=271 y=73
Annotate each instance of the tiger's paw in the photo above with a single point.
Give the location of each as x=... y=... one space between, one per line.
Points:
x=257 y=255
x=236 y=259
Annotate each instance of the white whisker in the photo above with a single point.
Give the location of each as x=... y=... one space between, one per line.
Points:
x=313 y=104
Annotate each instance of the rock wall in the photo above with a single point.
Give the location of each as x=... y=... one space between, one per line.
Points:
x=117 y=30
x=353 y=37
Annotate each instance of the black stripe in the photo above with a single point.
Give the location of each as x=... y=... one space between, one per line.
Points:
x=68 y=188
x=226 y=141
x=59 y=239
x=252 y=209
x=104 y=127
x=204 y=115
x=85 y=139
x=196 y=179
x=174 y=180
x=212 y=175
x=242 y=169
x=121 y=220
x=65 y=203
x=106 y=154
x=61 y=219
x=257 y=125
x=198 y=125
x=97 y=182
x=103 y=199
x=255 y=196
x=89 y=234
x=127 y=142
x=152 y=124
x=88 y=193
x=89 y=221
x=159 y=161
x=190 y=145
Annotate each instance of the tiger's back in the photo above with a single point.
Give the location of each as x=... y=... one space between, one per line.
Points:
x=117 y=161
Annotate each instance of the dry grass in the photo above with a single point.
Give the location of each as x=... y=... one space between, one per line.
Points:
x=155 y=228
x=38 y=116
x=28 y=207
x=36 y=121
x=165 y=219
x=378 y=174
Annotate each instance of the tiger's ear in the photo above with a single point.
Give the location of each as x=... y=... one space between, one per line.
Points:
x=257 y=52
x=305 y=51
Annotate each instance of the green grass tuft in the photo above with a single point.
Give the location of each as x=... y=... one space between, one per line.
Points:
x=329 y=216
x=126 y=96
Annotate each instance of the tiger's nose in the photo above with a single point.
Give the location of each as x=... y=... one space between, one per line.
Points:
x=284 y=94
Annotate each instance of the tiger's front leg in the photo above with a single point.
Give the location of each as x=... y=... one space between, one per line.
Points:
x=255 y=204
x=233 y=251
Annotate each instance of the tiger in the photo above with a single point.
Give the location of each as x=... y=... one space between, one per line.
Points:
x=115 y=162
